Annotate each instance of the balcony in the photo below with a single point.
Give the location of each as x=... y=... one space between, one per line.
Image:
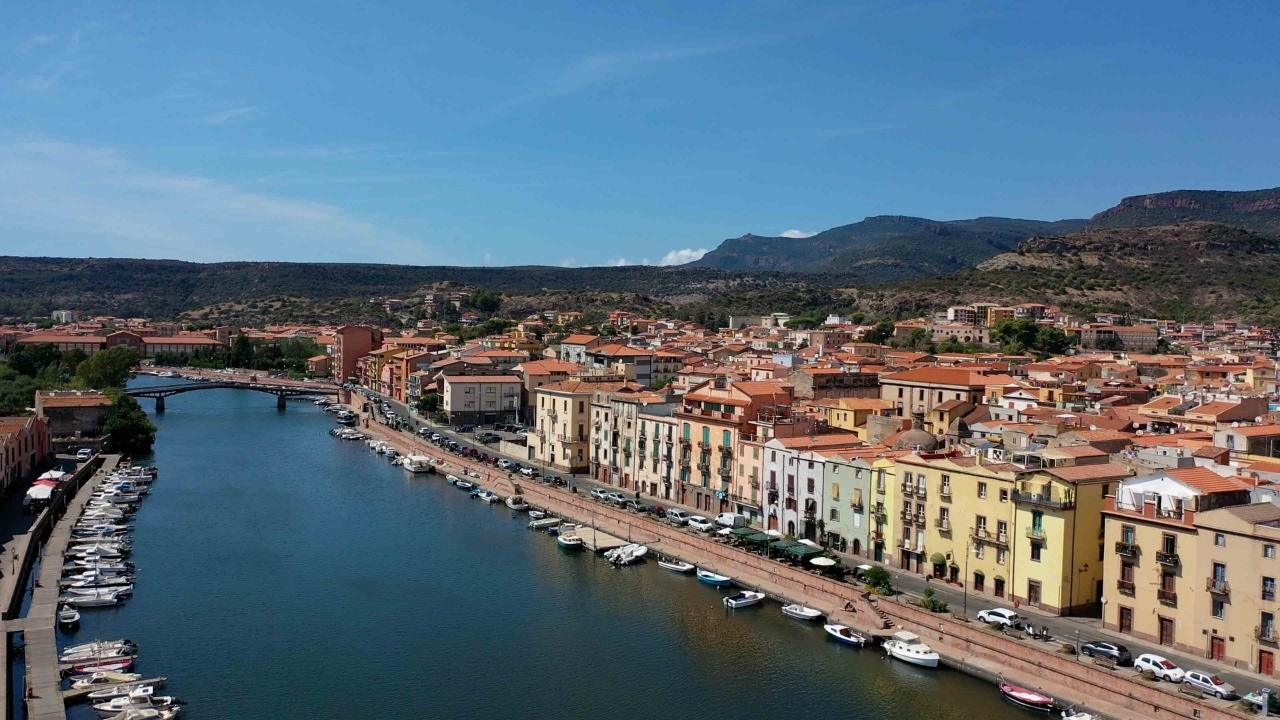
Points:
x=705 y=468
x=877 y=535
x=879 y=514
x=1044 y=500
x=1167 y=597
x=921 y=493
x=922 y=521
x=1170 y=559
x=856 y=505
x=1217 y=586
x=704 y=445
x=906 y=515
x=906 y=544
x=684 y=442
x=944 y=525
x=1266 y=634
x=908 y=489
x=726 y=449
x=1002 y=538
x=1036 y=533
x=726 y=473
x=880 y=488
x=981 y=533
x=944 y=492
x=1126 y=587
x=1126 y=548
x=684 y=462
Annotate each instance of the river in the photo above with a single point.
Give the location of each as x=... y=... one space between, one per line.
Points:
x=286 y=574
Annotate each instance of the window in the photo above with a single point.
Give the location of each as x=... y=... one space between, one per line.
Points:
x=1219 y=608
x=979 y=550
x=1268 y=588
x=1036 y=547
x=982 y=490
x=1219 y=539
x=835 y=515
x=1001 y=553
x=1127 y=534
x=1169 y=543
x=835 y=491
x=1004 y=495
x=1037 y=520
x=726 y=438
x=1268 y=551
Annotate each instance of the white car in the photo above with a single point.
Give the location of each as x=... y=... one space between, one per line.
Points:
x=600 y=494
x=528 y=472
x=697 y=522
x=1211 y=684
x=504 y=463
x=1159 y=666
x=999 y=616
x=84 y=454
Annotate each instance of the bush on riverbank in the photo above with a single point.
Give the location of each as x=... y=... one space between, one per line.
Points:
x=128 y=428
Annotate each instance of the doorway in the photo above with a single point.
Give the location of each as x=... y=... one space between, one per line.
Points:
x=1266 y=662
x=1166 y=631
x=1033 y=593
x=1217 y=647
x=1126 y=620
x=999 y=587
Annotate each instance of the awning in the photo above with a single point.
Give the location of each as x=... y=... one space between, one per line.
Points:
x=823 y=562
x=40 y=492
x=938 y=559
x=782 y=544
x=744 y=531
x=758 y=538
x=801 y=552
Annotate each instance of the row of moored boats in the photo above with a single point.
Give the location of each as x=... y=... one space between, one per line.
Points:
x=98 y=572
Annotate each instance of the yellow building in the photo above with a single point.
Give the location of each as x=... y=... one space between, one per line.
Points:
x=562 y=416
x=1154 y=573
x=1236 y=556
x=851 y=413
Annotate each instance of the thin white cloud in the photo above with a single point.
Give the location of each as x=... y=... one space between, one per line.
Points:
x=35 y=41
x=797 y=234
x=680 y=257
x=66 y=199
x=569 y=262
x=230 y=115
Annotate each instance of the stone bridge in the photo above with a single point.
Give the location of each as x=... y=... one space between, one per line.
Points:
x=281 y=391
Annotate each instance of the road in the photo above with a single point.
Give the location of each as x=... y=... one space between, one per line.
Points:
x=1061 y=629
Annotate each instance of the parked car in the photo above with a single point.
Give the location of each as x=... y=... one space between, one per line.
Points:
x=633 y=506
x=528 y=472
x=1211 y=684
x=999 y=616
x=677 y=516
x=729 y=519
x=84 y=454
x=655 y=510
x=505 y=464
x=600 y=494
x=1160 y=666
x=699 y=523
x=1115 y=652
x=425 y=432
x=616 y=498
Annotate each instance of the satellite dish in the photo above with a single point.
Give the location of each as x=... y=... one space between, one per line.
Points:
x=1093 y=427
x=1139 y=433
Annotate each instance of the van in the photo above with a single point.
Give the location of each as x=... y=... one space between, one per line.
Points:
x=731 y=520
x=677 y=517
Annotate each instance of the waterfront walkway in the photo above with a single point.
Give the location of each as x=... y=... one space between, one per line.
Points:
x=969 y=646
x=44 y=678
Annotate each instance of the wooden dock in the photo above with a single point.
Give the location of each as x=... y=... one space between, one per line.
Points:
x=598 y=540
x=44 y=673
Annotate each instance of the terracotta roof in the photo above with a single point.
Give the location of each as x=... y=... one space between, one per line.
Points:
x=1263 y=513
x=1208 y=481
x=1257 y=430
x=579 y=339
x=620 y=350
x=949 y=376
x=88 y=399
x=548 y=367
x=54 y=338
x=1095 y=471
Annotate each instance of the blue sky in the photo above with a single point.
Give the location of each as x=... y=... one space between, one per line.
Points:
x=603 y=133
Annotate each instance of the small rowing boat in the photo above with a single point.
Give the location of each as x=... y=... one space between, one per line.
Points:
x=1029 y=699
x=801 y=612
x=675 y=565
x=713 y=579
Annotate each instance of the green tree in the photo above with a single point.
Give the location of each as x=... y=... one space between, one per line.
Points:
x=107 y=369
x=1052 y=340
x=931 y=602
x=486 y=301
x=241 y=355
x=128 y=428
x=428 y=404
x=880 y=333
x=879 y=580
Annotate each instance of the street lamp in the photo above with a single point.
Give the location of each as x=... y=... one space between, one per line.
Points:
x=968 y=550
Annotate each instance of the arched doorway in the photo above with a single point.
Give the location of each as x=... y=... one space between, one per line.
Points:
x=791 y=528
x=773 y=521
x=857 y=546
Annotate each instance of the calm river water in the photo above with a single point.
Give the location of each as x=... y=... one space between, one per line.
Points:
x=286 y=574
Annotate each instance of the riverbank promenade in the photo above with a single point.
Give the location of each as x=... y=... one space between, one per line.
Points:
x=44 y=699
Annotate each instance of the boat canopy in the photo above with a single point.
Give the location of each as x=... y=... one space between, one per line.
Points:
x=39 y=492
x=54 y=475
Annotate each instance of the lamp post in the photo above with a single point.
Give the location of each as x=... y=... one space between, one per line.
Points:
x=968 y=550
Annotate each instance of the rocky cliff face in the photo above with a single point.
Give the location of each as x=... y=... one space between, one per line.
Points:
x=1257 y=210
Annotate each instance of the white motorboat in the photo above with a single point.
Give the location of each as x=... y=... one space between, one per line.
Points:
x=714 y=579
x=99 y=566
x=94 y=590
x=113 y=691
x=417 y=464
x=569 y=540
x=105 y=654
x=101 y=598
x=451 y=479
x=146 y=713
x=801 y=612
x=675 y=565
x=907 y=647
x=100 y=645
x=627 y=554
x=846 y=635
x=537 y=514
x=464 y=484
x=517 y=503
x=543 y=523
x=134 y=701
x=743 y=599
x=96 y=666
x=68 y=616
x=488 y=496
x=1073 y=714
x=102 y=678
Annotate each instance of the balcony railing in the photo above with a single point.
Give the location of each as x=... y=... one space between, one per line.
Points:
x=1035 y=533
x=1126 y=548
x=856 y=505
x=1168 y=558
x=877 y=535
x=906 y=515
x=980 y=533
x=1266 y=633
x=921 y=520
x=726 y=473
x=880 y=488
x=921 y=492
x=726 y=449
x=944 y=492
x=1167 y=597
x=1126 y=587
x=944 y=524
x=1002 y=538
x=1045 y=501
x=908 y=489
x=1217 y=586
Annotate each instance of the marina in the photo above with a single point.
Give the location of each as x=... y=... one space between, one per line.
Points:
x=325 y=551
